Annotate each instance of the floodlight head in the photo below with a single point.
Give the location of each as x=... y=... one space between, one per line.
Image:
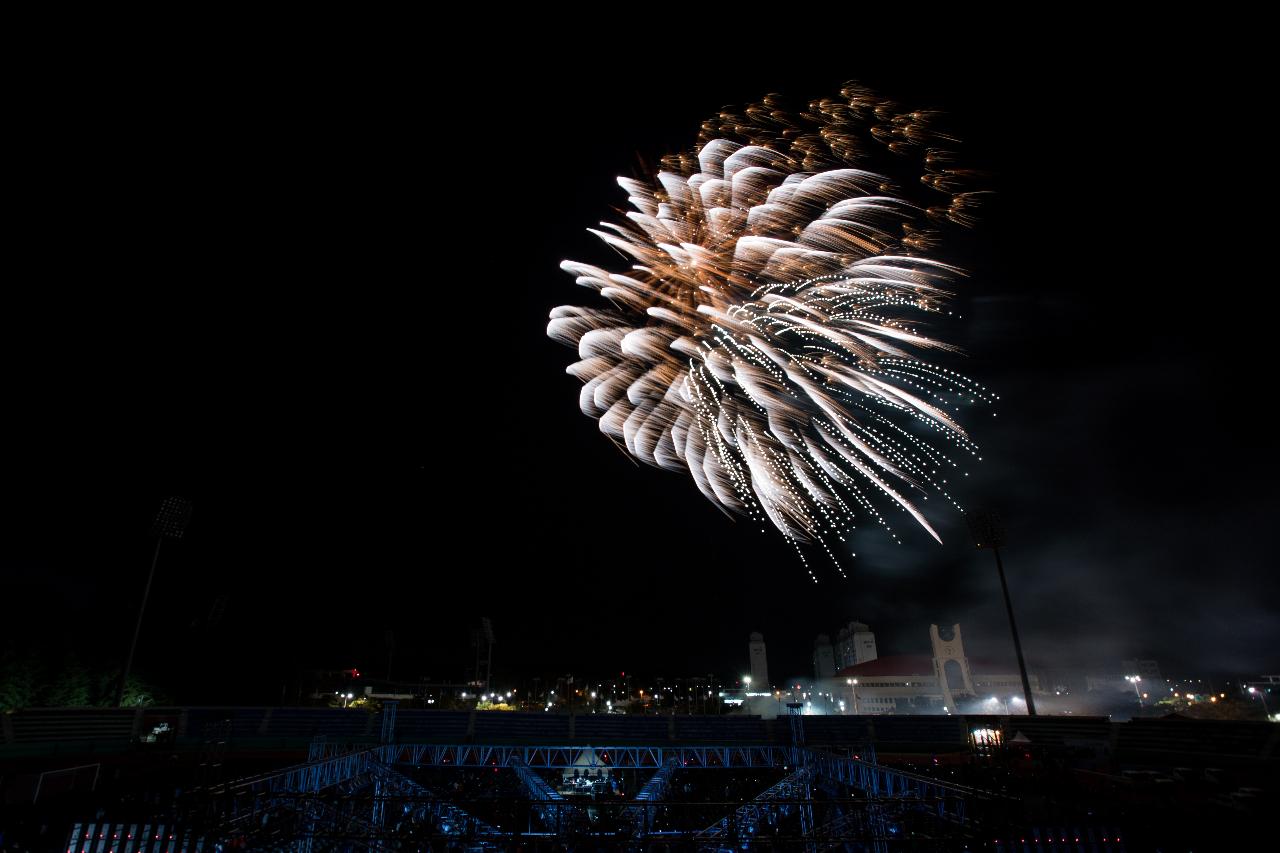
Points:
x=986 y=528
x=172 y=519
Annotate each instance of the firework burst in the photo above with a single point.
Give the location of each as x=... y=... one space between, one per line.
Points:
x=766 y=337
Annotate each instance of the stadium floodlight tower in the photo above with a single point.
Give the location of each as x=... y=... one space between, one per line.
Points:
x=170 y=523
x=988 y=532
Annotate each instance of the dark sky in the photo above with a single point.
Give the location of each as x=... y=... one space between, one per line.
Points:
x=309 y=291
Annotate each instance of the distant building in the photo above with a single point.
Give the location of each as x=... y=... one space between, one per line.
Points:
x=1147 y=670
x=1112 y=680
x=759 y=663
x=824 y=658
x=855 y=644
x=1105 y=683
x=950 y=664
x=947 y=680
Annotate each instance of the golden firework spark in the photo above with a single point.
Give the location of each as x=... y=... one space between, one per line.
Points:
x=766 y=336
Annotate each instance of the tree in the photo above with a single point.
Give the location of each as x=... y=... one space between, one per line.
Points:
x=19 y=677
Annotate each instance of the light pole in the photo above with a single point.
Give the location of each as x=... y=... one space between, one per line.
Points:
x=1134 y=680
x=1262 y=694
x=853 y=688
x=170 y=523
x=988 y=532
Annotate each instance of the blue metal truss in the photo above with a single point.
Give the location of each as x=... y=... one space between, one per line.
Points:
x=945 y=800
x=779 y=799
x=547 y=802
x=653 y=791
x=388 y=733
x=656 y=788
x=352 y=768
x=830 y=835
x=310 y=777
x=397 y=786
x=354 y=826
x=336 y=766
x=584 y=757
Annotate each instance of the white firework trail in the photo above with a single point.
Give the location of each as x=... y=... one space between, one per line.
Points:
x=766 y=338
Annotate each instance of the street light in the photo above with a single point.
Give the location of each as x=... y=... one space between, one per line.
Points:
x=1134 y=680
x=170 y=523
x=988 y=532
x=746 y=680
x=1262 y=694
x=853 y=688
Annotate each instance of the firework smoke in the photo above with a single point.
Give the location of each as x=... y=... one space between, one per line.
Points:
x=765 y=337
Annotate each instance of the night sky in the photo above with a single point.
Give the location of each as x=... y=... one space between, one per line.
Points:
x=312 y=297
